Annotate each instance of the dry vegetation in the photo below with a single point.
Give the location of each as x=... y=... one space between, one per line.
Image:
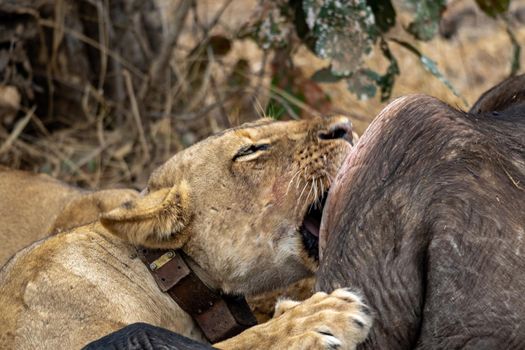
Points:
x=99 y=92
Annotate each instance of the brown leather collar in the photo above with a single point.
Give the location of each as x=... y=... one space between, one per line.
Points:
x=219 y=316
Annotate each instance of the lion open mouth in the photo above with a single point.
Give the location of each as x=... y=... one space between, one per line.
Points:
x=311 y=226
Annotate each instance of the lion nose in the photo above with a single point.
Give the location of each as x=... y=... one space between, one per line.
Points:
x=338 y=128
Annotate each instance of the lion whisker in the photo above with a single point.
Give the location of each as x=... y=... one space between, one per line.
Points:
x=301 y=195
x=320 y=196
x=316 y=192
x=305 y=172
x=328 y=177
x=292 y=180
x=310 y=191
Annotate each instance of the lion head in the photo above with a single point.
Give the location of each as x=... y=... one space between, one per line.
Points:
x=244 y=205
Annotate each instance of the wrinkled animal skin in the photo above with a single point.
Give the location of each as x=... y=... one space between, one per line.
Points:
x=427 y=219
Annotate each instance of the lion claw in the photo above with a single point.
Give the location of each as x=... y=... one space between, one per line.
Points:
x=339 y=320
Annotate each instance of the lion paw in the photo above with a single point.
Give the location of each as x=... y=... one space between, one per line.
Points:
x=339 y=320
x=284 y=305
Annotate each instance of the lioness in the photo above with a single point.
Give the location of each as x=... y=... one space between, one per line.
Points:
x=35 y=206
x=427 y=217
x=32 y=206
x=261 y=190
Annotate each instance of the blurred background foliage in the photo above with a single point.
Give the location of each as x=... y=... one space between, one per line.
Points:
x=345 y=32
x=100 y=92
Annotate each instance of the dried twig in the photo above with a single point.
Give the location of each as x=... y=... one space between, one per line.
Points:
x=285 y=96
x=260 y=78
x=72 y=165
x=216 y=18
x=58 y=32
x=20 y=125
x=103 y=37
x=160 y=65
x=87 y=40
x=136 y=114
x=220 y=100
x=193 y=116
x=91 y=145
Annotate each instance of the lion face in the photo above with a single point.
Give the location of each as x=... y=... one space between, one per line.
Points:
x=244 y=205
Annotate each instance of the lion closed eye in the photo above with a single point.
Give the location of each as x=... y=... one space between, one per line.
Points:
x=243 y=206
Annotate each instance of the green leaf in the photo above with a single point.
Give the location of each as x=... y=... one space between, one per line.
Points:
x=430 y=66
x=275 y=110
x=302 y=29
x=362 y=83
x=516 y=52
x=273 y=31
x=384 y=13
x=386 y=81
x=325 y=75
x=493 y=7
x=92 y=166
x=426 y=22
x=344 y=31
x=284 y=91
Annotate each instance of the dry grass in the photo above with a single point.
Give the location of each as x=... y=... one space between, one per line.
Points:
x=111 y=126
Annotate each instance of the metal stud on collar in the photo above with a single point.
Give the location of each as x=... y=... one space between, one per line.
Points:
x=162 y=260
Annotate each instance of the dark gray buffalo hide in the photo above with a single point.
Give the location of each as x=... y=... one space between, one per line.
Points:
x=427 y=219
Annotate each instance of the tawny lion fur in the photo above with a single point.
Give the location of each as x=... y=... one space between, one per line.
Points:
x=254 y=184
x=37 y=205
x=33 y=206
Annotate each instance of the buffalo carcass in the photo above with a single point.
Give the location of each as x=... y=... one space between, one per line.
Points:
x=427 y=219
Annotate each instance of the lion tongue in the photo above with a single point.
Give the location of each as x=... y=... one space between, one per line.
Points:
x=312 y=225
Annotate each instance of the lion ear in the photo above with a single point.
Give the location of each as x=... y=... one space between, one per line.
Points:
x=156 y=220
x=87 y=207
